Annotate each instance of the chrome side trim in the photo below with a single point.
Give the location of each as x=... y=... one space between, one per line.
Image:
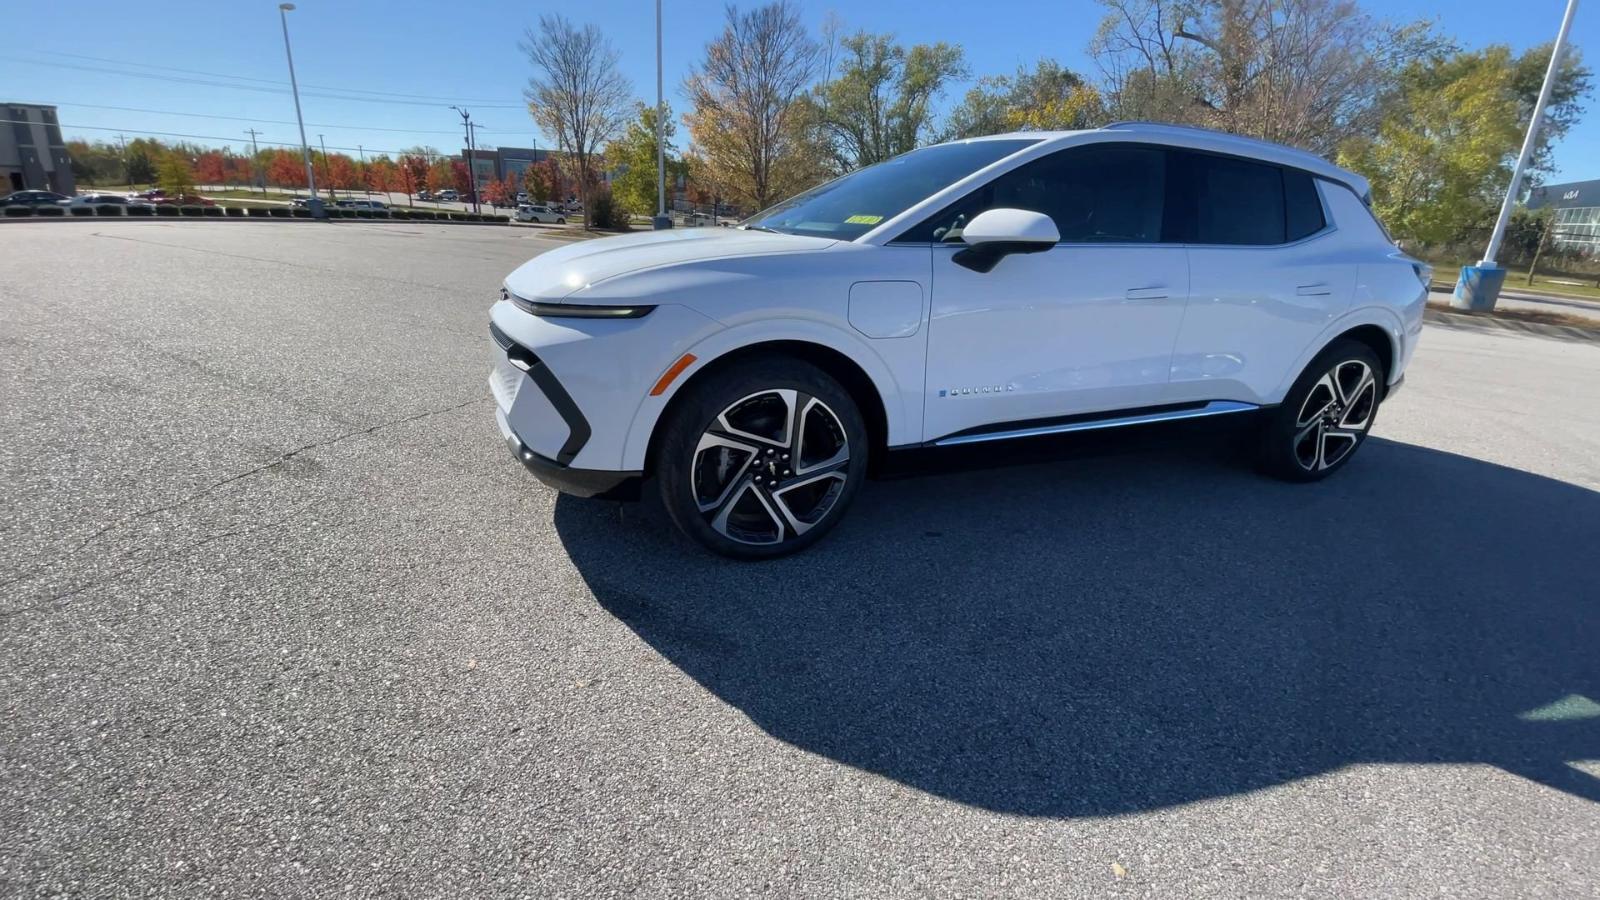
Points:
x=1213 y=408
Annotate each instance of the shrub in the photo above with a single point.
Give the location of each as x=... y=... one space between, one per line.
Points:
x=108 y=209
x=17 y=212
x=474 y=217
x=192 y=210
x=236 y=212
x=457 y=217
x=49 y=211
x=256 y=212
x=141 y=211
x=380 y=214
x=81 y=211
x=281 y=212
x=215 y=211
x=425 y=215
x=602 y=211
x=363 y=213
x=399 y=214
x=166 y=210
x=300 y=212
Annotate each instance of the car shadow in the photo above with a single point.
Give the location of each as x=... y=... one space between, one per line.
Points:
x=1108 y=634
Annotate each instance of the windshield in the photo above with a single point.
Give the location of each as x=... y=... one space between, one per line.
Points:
x=846 y=208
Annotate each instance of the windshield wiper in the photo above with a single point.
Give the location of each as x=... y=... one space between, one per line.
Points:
x=759 y=228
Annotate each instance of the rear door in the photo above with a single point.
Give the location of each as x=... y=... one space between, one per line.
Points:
x=1266 y=275
x=1084 y=327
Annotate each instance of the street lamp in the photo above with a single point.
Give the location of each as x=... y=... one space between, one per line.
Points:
x=661 y=220
x=312 y=202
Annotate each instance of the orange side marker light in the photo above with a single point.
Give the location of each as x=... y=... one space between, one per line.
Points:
x=684 y=362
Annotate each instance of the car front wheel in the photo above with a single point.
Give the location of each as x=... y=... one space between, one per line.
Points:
x=762 y=458
x=1327 y=414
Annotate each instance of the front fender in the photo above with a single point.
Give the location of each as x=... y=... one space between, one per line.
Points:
x=901 y=402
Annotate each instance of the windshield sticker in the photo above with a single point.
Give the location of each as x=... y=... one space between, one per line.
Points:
x=863 y=220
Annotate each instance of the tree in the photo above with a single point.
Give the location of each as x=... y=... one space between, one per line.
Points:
x=211 y=168
x=460 y=178
x=441 y=175
x=174 y=175
x=880 y=103
x=141 y=159
x=1441 y=157
x=383 y=174
x=577 y=92
x=1048 y=98
x=341 y=172
x=501 y=192
x=634 y=156
x=412 y=176
x=749 y=119
x=96 y=163
x=286 y=169
x=1310 y=73
x=540 y=180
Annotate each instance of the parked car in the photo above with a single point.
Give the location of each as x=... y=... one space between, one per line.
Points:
x=183 y=200
x=533 y=212
x=522 y=196
x=361 y=204
x=424 y=195
x=447 y=195
x=150 y=194
x=102 y=200
x=32 y=198
x=985 y=290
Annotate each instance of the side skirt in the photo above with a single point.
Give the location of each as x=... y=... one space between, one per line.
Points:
x=1092 y=422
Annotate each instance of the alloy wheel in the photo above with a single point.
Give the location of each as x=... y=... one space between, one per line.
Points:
x=770 y=467
x=1335 y=415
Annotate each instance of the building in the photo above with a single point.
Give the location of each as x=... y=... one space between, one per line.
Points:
x=492 y=164
x=1576 y=226
x=33 y=157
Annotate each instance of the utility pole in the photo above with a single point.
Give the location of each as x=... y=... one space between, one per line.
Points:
x=255 y=159
x=312 y=202
x=365 y=187
x=1479 y=286
x=122 y=148
x=662 y=220
x=325 y=167
x=472 y=172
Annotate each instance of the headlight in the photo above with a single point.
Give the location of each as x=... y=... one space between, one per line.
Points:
x=575 y=310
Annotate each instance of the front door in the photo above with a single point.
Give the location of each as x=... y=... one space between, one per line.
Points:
x=1087 y=326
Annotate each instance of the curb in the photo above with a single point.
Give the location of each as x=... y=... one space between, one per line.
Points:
x=1492 y=323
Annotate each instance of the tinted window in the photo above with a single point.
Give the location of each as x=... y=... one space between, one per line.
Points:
x=849 y=207
x=1233 y=201
x=1302 y=205
x=1101 y=194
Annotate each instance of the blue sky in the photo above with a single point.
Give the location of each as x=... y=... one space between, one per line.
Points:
x=467 y=50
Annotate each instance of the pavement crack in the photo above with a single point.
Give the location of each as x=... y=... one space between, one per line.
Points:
x=231 y=479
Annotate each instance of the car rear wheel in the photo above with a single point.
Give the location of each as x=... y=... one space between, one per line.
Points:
x=1327 y=414
x=561 y=221
x=761 y=459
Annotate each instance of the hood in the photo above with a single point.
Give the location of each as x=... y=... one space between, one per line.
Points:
x=558 y=274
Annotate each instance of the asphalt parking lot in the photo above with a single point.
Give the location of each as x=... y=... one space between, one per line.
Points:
x=280 y=616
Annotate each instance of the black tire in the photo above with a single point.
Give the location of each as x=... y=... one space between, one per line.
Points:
x=1327 y=414
x=765 y=505
x=561 y=221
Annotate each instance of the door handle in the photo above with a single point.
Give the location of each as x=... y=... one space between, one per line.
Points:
x=1149 y=293
x=1313 y=290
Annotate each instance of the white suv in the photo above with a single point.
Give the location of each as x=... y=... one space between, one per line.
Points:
x=980 y=290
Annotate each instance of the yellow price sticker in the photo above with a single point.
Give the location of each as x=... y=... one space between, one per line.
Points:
x=863 y=220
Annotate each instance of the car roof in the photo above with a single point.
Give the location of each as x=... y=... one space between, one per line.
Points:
x=1198 y=138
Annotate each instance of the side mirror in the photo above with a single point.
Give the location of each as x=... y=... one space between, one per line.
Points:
x=996 y=233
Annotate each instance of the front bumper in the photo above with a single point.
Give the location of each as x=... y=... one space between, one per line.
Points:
x=597 y=483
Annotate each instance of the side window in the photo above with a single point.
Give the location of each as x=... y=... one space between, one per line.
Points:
x=1302 y=205
x=1235 y=201
x=1097 y=194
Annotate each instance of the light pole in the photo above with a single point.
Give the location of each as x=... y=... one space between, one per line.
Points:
x=1479 y=286
x=311 y=178
x=662 y=220
x=366 y=188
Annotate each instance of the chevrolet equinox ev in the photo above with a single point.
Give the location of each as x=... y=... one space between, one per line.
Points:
x=979 y=290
